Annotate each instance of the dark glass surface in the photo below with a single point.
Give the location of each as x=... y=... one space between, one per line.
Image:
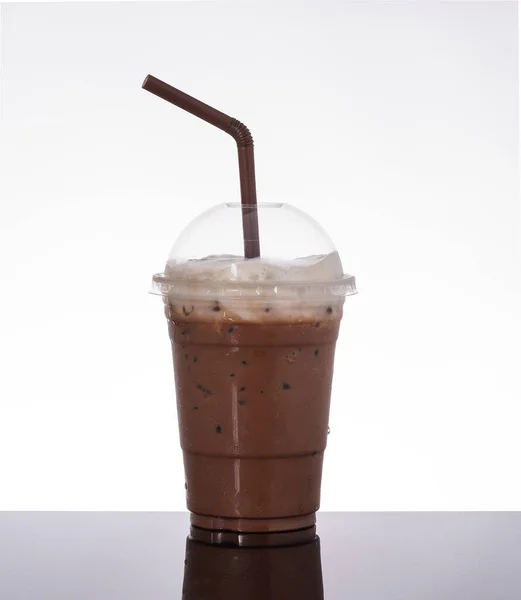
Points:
x=359 y=556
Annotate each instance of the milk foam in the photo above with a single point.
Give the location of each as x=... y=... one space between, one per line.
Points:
x=224 y=268
x=232 y=288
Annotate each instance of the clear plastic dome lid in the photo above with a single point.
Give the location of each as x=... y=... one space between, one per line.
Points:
x=295 y=251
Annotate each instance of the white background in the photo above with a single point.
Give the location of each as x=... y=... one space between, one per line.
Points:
x=410 y=162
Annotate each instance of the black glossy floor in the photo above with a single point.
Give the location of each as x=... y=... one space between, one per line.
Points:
x=360 y=556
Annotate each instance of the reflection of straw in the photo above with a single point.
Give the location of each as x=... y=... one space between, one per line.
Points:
x=241 y=134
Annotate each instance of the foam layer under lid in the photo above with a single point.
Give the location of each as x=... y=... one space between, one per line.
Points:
x=298 y=263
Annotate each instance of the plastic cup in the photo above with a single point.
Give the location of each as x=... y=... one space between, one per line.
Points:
x=253 y=343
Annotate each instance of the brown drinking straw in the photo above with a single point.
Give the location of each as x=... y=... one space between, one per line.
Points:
x=241 y=134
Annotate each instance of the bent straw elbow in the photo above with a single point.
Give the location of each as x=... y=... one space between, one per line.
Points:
x=240 y=133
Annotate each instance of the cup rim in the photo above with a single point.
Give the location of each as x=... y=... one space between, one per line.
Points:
x=162 y=285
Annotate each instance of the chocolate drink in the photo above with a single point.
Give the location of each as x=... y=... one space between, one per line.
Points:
x=253 y=382
x=253 y=343
x=253 y=407
x=253 y=336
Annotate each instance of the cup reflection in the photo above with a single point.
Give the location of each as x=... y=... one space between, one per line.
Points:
x=267 y=566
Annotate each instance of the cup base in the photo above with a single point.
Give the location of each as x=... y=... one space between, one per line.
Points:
x=239 y=539
x=253 y=525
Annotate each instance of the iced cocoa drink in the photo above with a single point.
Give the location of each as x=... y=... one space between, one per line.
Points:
x=253 y=345
x=253 y=406
x=253 y=294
